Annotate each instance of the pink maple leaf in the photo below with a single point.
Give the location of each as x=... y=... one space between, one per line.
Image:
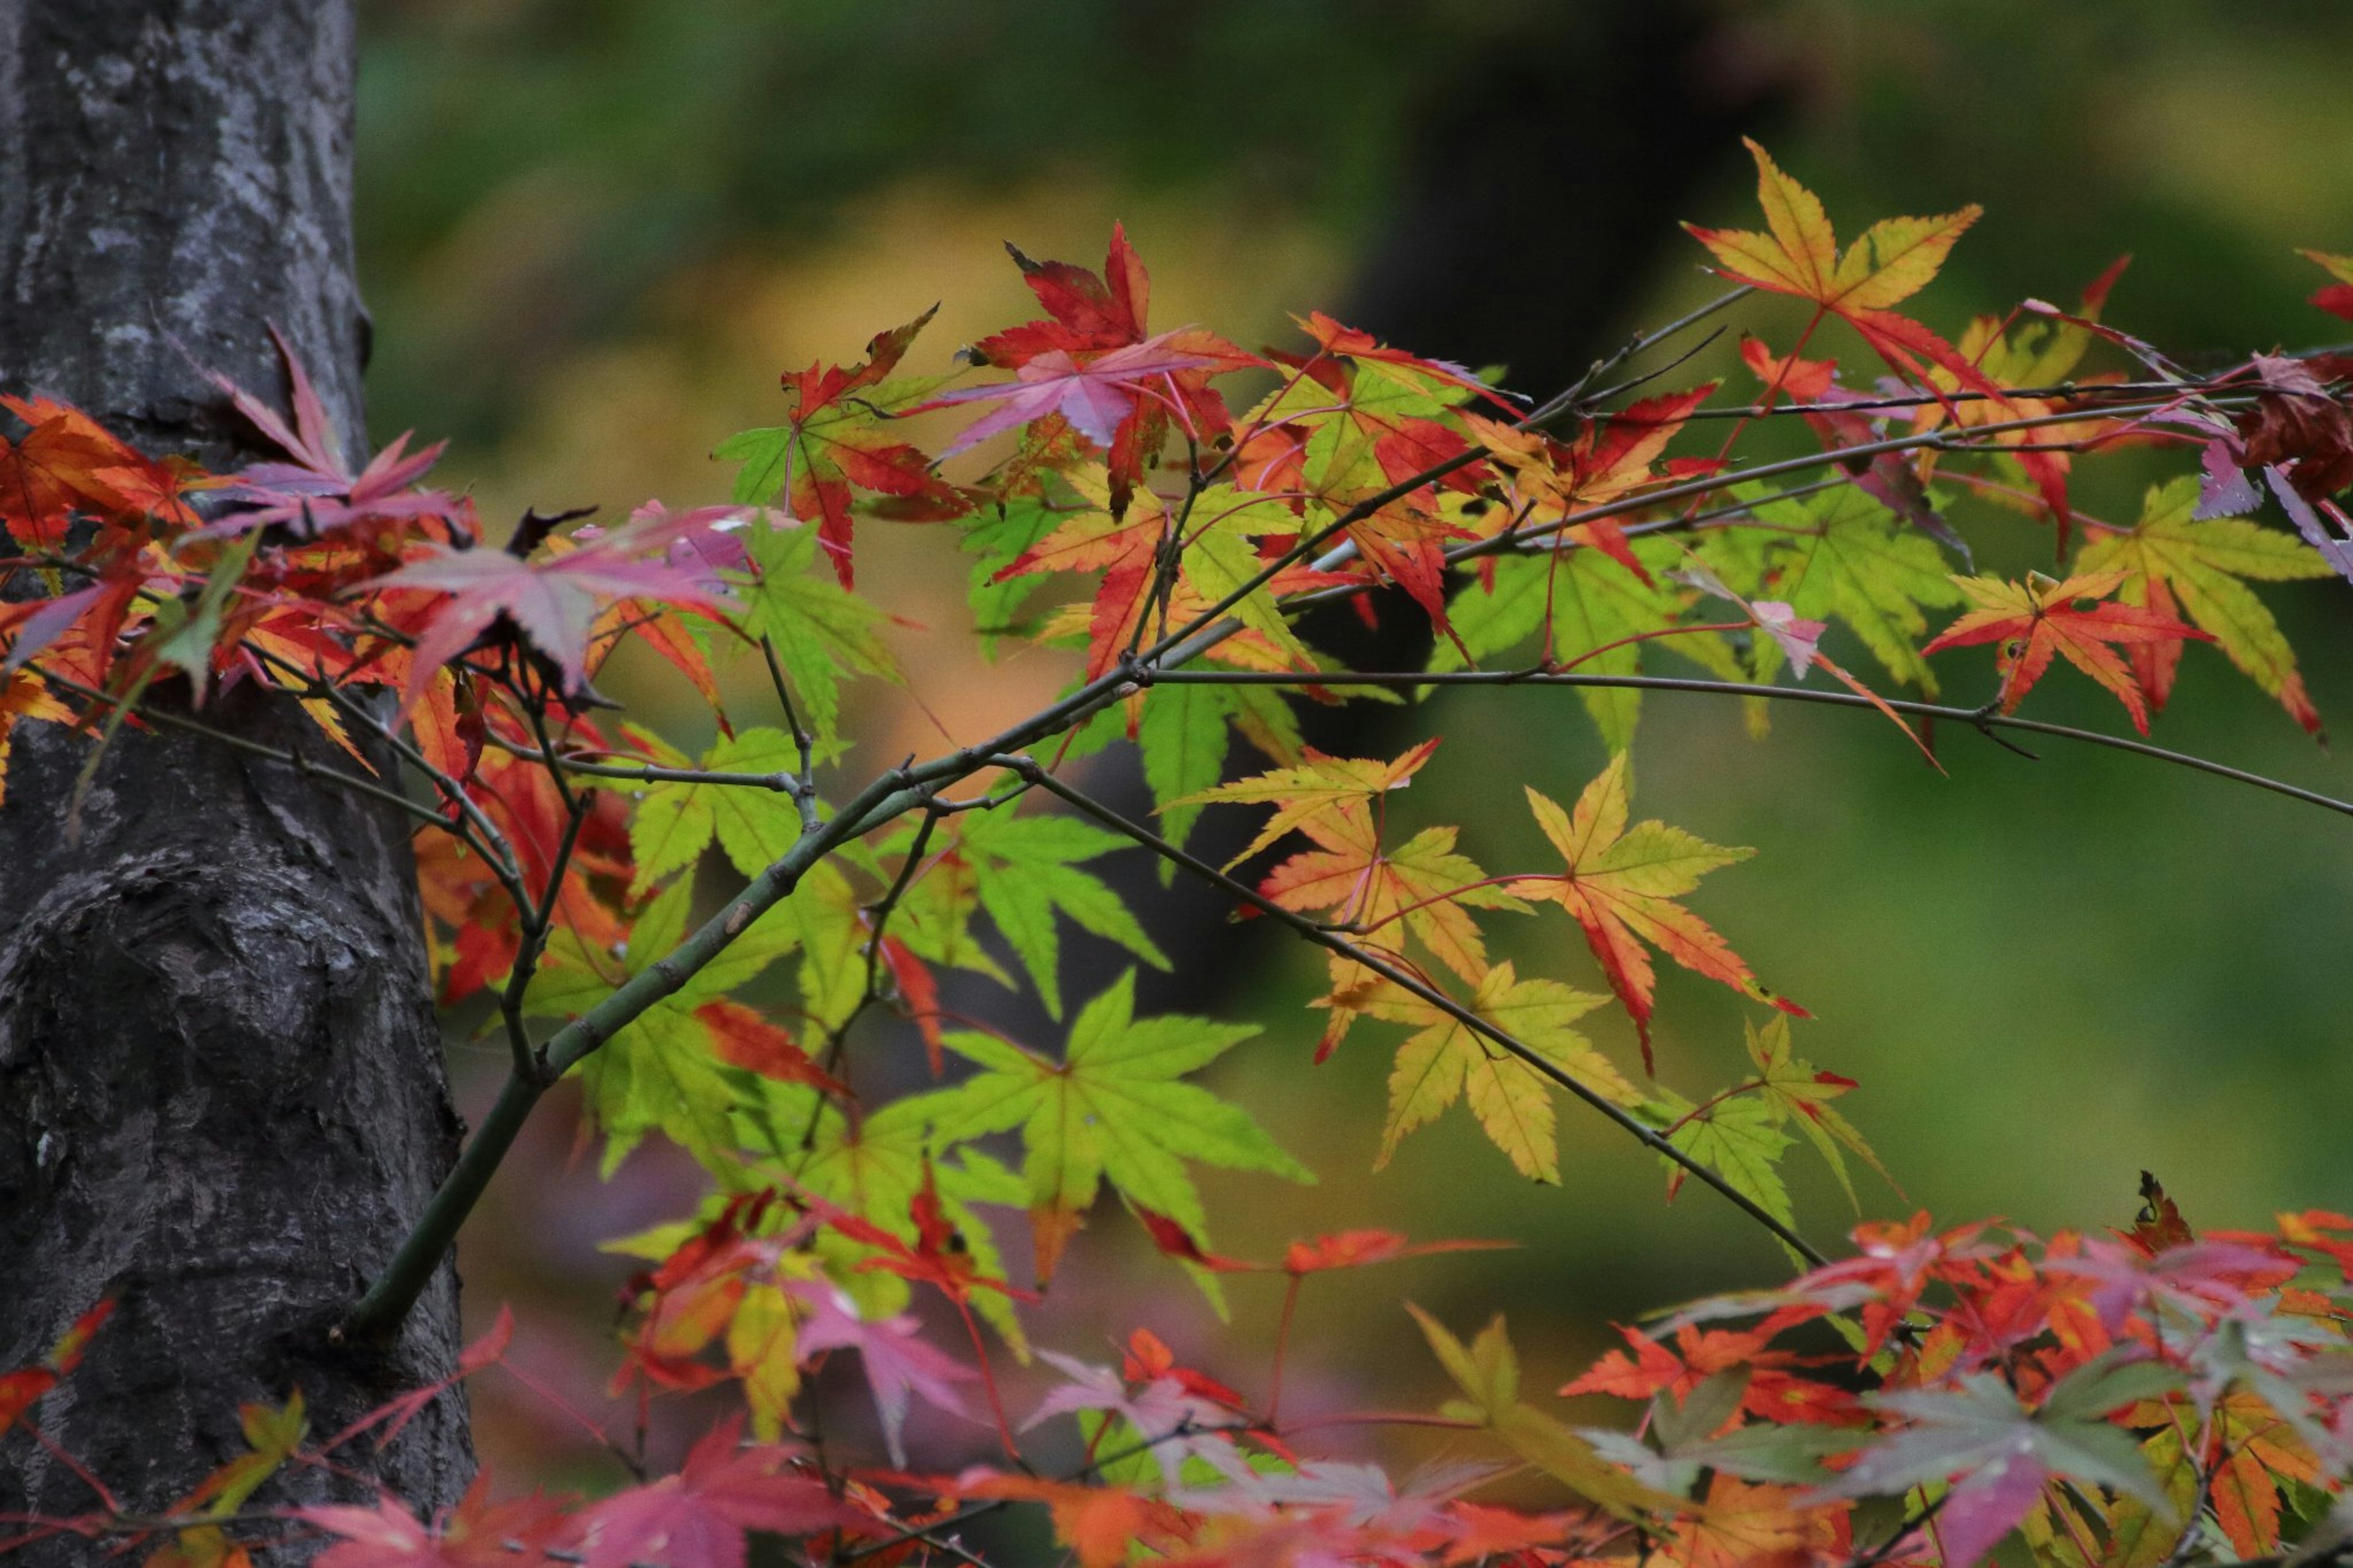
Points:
x=1095 y=396
x=696 y=1518
x=553 y=602
x=2202 y=1278
x=897 y=1364
x=478 y=1534
x=1177 y=1423
x=317 y=492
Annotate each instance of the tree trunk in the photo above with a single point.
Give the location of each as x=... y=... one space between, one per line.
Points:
x=221 y=1092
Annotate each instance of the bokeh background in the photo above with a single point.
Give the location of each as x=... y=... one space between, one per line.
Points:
x=594 y=232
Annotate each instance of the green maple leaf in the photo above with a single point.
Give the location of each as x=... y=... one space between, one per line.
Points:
x=1111 y=1109
x=658 y=1075
x=754 y=826
x=874 y=1167
x=661 y=1073
x=829 y=926
x=1220 y=558
x=1494 y=616
x=672 y=823
x=999 y=536
x=1184 y=737
x=1595 y=604
x=1446 y=1060
x=1847 y=558
x=934 y=917
x=1184 y=740
x=2171 y=555
x=1487 y=1371
x=821 y=631
x=1023 y=873
x=675 y=821
x=1739 y=1138
x=1797 y=1091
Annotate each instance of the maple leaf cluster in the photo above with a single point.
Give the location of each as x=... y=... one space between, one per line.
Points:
x=722 y=940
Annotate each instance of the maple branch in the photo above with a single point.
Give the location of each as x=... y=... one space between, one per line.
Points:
x=538 y=918
x=485 y=836
x=1975 y=718
x=1212 y=624
x=909 y=787
x=1692 y=522
x=1414 y=985
x=877 y=914
x=1941 y=440
x=1904 y=1529
x=1571 y=395
x=1596 y=399
x=388 y=1299
x=535 y=710
x=782 y=783
x=803 y=742
x=2059 y=390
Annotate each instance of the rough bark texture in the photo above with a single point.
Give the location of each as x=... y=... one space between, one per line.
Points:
x=221 y=1094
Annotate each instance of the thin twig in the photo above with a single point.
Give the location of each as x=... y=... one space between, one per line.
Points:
x=1574 y=394
x=802 y=742
x=295 y=760
x=1975 y=718
x=492 y=846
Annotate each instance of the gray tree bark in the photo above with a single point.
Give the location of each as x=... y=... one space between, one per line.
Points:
x=221 y=1091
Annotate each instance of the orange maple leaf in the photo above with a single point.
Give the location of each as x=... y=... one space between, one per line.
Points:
x=1744 y=1525
x=2037 y=618
x=1099 y=1523
x=1894 y=259
x=1610 y=460
x=1622 y=885
x=742 y=1037
x=1319 y=787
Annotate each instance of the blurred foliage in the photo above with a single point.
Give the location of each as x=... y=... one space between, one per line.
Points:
x=564 y=156
x=594 y=231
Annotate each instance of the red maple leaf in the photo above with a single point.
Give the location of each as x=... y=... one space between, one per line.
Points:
x=697 y=1518
x=1622 y=886
x=741 y=1038
x=21 y=1389
x=1359 y=1248
x=68 y=463
x=552 y=603
x=1095 y=359
x=831 y=441
x=476 y=1534
x=2040 y=618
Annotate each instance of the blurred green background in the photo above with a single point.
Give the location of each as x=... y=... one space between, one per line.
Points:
x=594 y=232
